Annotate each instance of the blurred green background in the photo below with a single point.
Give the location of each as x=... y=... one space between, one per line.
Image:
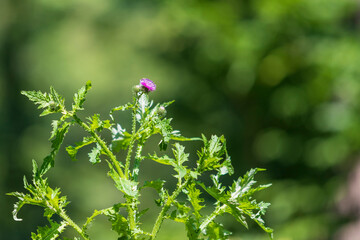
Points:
x=280 y=79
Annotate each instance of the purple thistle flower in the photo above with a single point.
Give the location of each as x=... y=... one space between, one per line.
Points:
x=147 y=84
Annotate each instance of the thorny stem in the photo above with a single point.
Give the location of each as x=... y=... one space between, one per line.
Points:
x=132 y=140
x=63 y=215
x=166 y=207
x=138 y=159
x=132 y=207
x=101 y=143
x=131 y=200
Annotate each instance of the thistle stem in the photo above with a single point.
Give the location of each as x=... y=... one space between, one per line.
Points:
x=166 y=207
x=132 y=140
x=63 y=215
x=138 y=159
x=101 y=143
x=130 y=200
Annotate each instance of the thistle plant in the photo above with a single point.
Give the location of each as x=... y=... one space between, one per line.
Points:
x=184 y=204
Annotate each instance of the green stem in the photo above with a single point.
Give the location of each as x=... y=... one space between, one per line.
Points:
x=132 y=213
x=63 y=215
x=130 y=200
x=132 y=207
x=132 y=140
x=101 y=143
x=166 y=207
x=138 y=159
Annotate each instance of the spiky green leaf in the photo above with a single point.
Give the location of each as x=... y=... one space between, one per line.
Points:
x=49 y=232
x=194 y=198
x=72 y=150
x=128 y=187
x=79 y=97
x=94 y=155
x=55 y=145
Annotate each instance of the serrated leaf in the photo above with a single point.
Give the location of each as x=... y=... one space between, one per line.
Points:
x=181 y=212
x=18 y=205
x=179 y=153
x=72 y=151
x=215 y=231
x=158 y=184
x=192 y=229
x=243 y=186
x=55 y=124
x=79 y=97
x=118 y=223
x=120 y=138
x=128 y=187
x=181 y=157
x=51 y=102
x=34 y=169
x=163 y=160
x=97 y=124
x=163 y=127
x=94 y=155
x=143 y=107
x=49 y=232
x=238 y=200
x=121 y=108
x=211 y=155
x=180 y=138
x=56 y=142
x=177 y=163
x=194 y=197
x=226 y=167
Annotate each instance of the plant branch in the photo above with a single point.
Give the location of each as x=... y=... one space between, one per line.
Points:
x=63 y=215
x=101 y=143
x=138 y=159
x=132 y=140
x=166 y=207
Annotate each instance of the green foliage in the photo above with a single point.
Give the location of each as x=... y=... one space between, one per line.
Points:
x=118 y=223
x=49 y=232
x=58 y=138
x=51 y=102
x=40 y=194
x=72 y=151
x=79 y=97
x=148 y=120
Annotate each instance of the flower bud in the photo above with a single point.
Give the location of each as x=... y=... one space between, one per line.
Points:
x=136 y=89
x=161 y=111
x=54 y=107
